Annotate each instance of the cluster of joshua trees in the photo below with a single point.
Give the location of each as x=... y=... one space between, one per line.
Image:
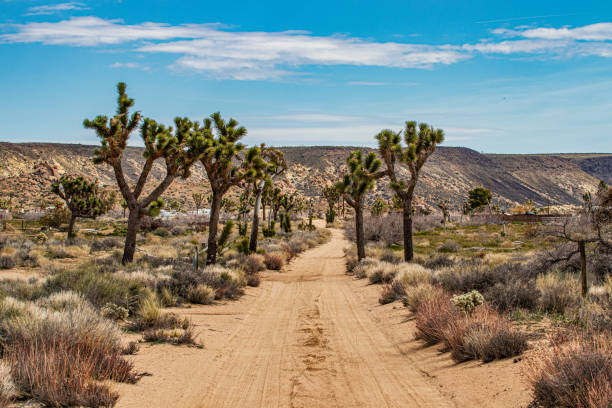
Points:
x=214 y=143
x=363 y=172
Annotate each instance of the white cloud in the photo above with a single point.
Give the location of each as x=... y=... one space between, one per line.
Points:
x=125 y=65
x=54 y=8
x=217 y=51
x=592 y=32
x=376 y=83
x=234 y=54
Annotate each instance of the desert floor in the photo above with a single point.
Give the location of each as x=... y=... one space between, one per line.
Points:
x=311 y=336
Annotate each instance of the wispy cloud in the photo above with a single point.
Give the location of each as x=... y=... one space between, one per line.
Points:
x=131 y=65
x=505 y=20
x=375 y=83
x=55 y=8
x=239 y=55
x=220 y=52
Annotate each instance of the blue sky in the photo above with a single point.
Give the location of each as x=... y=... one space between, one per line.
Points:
x=504 y=77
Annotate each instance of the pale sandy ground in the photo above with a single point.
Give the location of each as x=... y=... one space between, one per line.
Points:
x=313 y=337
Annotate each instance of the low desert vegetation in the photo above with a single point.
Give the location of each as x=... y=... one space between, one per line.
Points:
x=477 y=290
x=62 y=330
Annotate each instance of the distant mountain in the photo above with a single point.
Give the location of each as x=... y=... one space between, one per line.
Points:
x=28 y=169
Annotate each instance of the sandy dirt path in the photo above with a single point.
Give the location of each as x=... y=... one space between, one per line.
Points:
x=302 y=339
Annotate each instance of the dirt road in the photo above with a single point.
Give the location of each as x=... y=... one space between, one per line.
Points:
x=303 y=339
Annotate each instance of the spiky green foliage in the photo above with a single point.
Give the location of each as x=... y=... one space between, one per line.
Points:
x=83 y=198
x=332 y=196
x=225 y=235
x=287 y=204
x=378 y=207
x=270 y=165
x=226 y=164
x=178 y=148
x=479 y=197
x=361 y=177
x=420 y=143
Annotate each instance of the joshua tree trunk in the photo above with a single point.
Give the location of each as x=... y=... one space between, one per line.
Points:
x=130 y=238
x=359 y=232
x=255 y=226
x=215 y=207
x=583 y=268
x=71 y=227
x=407 y=221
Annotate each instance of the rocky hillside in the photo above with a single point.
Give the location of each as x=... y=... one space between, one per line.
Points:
x=27 y=170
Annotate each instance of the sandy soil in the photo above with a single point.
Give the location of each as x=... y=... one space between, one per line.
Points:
x=313 y=337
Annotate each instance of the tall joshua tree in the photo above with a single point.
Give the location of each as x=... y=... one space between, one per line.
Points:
x=178 y=149
x=361 y=178
x=421 y=141
x=226 y=164
x=82 y=198
x=271 y=164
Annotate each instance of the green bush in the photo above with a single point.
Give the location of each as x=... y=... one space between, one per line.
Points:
x=468 y=301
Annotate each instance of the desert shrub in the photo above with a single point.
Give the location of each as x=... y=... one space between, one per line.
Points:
x=105 y=244
x=438 y=261
x=58 y=252
x=274 y=261
x=415 y=295
x=21 y=289
x=449 y=247
x=472 y=275
x=467 y=302
x=7 y=387
x=512 y=295
x=483 y=335
x=7 y=262
x=167 y=298
x=161 y=232
x=149 y=316
x=98 y=288
x=175 y=336
x=592 y=316
x=114 y=312
x=387 y=295
x=58 y=358
x=131 y=348
x=253 y=279
x=201 y=294
x=412 y=274
x=253 y=264
x=433 y=316
x=391 y=256
x=61 y=301
x=558 y=292
x=577 y=373
x=227 y=283
x=381 y=272
x=360 y=271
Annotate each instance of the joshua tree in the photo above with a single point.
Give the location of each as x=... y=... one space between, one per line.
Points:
x=361 y=177
x=271 y=164
x=445 y=214
x=198 y=198
x=221 y=161
x=378 y=207
x=420 y=144
x=124 y=205
x=6 y=204
x=82 y=198
x=479 y=197
x=175 y=205
x=275 y=204
x=332 y=196
x=287 y=203
x=179 y=150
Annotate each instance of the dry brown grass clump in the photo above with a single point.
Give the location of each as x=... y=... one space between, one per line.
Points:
x=59 y=357
x=201 y=294
x=7 y=386
x=576 y=373
x=433 y=316
x=558 y=292
x=274 y=261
